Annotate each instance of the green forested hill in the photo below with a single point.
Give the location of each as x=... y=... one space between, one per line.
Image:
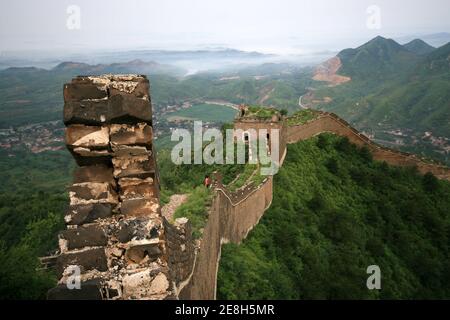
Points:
x=394 y=89
x=334 y=213
x=418 y=46
x=32 y=203
x=378 y=58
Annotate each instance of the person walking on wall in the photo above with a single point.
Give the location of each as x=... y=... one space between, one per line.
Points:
x=207 y=181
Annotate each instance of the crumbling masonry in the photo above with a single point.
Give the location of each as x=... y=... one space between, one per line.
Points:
x=115 y=235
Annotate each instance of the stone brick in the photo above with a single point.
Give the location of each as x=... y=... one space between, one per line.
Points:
x=139 y=228
x=142 y=284
x=139 y=134
x=89 y=157
x=122 y=151
x=89 y=112
x=159 y=285
x=86 y=213
x=85 y=236
x=135 y=285
x=138 y=87
x=129 y=109
x=87 y=259
x=141 y=166
x=125 y=232
x=81 y=90
x=140 y=207
x=93 y=137
x=89 y=290
x=95 y=173
x=140 y=249
x=92 y=192
x=131 y=188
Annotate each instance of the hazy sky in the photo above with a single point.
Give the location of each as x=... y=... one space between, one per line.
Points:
x=269 y=25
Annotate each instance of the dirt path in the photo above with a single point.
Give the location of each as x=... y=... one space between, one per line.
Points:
x=300 y=104
x=175 y=201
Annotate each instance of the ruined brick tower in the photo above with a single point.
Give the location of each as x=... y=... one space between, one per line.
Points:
x=253 y=119
x=116 y=236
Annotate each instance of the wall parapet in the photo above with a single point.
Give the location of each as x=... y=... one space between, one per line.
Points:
x=330 y=122
x=231 y=218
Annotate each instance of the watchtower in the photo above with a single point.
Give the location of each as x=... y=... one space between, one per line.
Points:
x=253 y=122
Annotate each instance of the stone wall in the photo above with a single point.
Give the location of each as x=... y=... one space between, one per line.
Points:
x=329 y=122
x=116 y=236
x=228 y=221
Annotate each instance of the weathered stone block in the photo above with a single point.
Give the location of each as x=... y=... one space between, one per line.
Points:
x=85 y=236
x=140 y=207
x=140 y=249
x=139 y=134
x=89 y=112
x=92 y=137
x=129 y=109
x=126 y=232
x=132 y=188
x=141 y=166
x=87 y=259
x=139 y=228
x=90 y=157
x=135 y=285
x=136 y=86
x=143 y=284
x=122 y=151
x=92 y=192
x=95 y=173
x=86 y=213
x=89 y=290
x=81 y=90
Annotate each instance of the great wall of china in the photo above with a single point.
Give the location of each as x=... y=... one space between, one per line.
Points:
x=116 y=236
x=329 y=122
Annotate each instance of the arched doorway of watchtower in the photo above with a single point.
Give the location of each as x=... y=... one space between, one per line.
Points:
x=268 y=144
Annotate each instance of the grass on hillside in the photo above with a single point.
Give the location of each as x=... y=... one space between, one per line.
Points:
x=195 y=209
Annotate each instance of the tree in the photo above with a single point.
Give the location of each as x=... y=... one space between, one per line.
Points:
x=430 y=182
x=332 y=166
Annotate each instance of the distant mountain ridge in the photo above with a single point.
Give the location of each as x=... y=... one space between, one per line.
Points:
x=419 y=47
x=384 y=58
x=376 y=58
x=395 y=88
x=434 y=39
x=135 y=66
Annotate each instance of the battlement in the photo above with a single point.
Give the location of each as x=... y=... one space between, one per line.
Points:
x=258 y=114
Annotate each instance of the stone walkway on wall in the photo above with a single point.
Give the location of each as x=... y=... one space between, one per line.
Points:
x=175 y=201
